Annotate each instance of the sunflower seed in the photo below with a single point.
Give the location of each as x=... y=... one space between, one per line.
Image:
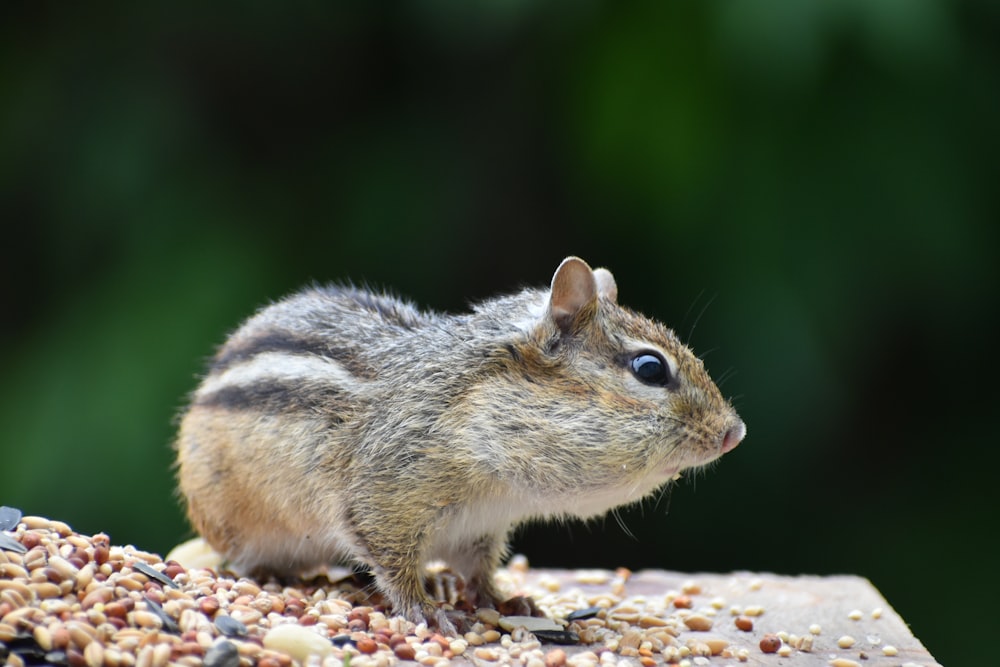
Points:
x=222 y=654
x=8 y=543
x=557 y=636
x=229 y=626
x=153 y=573
x=169 y=624
x=581 y=614
x=9 y=517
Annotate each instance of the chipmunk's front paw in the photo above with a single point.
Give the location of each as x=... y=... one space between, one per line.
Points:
x=433 y=616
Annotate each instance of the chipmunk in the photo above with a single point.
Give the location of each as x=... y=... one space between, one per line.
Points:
x=340 y=423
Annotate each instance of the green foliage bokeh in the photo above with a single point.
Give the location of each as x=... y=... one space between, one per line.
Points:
x=807 y=191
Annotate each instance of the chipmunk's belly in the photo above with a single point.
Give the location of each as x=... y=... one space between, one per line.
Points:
x=284 y=552
x=497 y=516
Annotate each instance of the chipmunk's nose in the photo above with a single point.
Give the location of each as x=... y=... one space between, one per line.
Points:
x=734 y=436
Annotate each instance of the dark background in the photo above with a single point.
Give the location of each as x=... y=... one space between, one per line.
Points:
x=814 y=184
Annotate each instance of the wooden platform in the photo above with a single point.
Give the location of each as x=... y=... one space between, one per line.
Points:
x=841 y=606
x=72 y=599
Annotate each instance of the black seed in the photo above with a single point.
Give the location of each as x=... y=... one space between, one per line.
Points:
x=9 y=517
x=581 y=614
x=557 y=636
x=8 y=543
x=341 y=640
x=222 y=654
x=230 y=627
x=153 y=573
x=25 y=646
x=169 y=624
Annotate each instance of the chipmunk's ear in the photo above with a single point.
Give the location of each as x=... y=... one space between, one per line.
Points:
x=607 y=288
x=574 y=293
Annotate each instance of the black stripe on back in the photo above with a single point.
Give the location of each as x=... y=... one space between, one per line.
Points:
x=281 y=397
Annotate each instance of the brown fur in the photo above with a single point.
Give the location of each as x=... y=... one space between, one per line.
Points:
x=340 y=423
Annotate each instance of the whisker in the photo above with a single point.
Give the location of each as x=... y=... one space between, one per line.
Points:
x=693 y=304
x=621 y=524
x=726 y=375
x=700 y=314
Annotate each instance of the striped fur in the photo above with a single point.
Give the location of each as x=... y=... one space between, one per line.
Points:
x=340 y=423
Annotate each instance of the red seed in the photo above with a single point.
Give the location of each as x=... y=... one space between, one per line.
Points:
x=208 y=605
x=367 y=645
x=191 y=648
x=173 y=568
x=682 y=602
x=115 y=609
x=60 y=637
x=770 y=643
x=744 y=623
x=404 y=651
x=555 y=658
x=294 y=607
x=358 y=613
x=80 y=554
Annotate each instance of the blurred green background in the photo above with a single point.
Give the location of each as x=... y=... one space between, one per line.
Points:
x=813 y=184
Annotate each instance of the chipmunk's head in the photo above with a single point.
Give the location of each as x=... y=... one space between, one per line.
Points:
x=632 y=380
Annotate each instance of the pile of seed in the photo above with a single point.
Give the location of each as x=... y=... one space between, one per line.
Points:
x=71 y=599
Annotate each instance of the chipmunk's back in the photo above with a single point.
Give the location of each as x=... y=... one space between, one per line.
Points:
x=342 y=423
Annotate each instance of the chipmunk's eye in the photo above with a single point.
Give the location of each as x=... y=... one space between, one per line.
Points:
x=651 y=369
